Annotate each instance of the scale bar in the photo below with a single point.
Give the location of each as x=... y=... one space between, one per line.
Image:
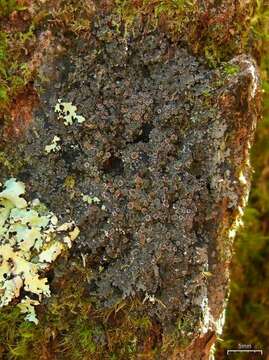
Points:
x=244 y=350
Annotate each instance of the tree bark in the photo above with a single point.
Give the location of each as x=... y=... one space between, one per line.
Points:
x=152 y=166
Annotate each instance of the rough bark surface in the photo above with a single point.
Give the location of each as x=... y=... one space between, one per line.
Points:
x=165 y=148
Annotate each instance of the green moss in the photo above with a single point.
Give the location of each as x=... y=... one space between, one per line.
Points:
x=26 y=341
x=215 y=32
x=71 y=326
x=16 y=47
x=14 y=72
x=143 y=322
x=8 y=6
x=70 y=182
x=230 y=69
x=173 y=15
x=82 y=340
x=5 y=162
x=12 y=167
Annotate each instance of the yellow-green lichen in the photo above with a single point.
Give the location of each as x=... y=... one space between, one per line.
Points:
x=26 y=306
x=68 y=113
x=29 y=242
x=54 y=146
x=69 y=182
x=90 y=200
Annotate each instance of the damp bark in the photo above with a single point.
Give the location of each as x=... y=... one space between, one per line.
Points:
x=165 y=148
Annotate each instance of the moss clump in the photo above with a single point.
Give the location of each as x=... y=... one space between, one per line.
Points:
x=8 y=6
x=72 y=327
x=21 y=25
x=231 y=69
x=4 y=161
x=217 y=30
x=15 y=72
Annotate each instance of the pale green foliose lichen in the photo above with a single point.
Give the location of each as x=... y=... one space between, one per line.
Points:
x=68 y=113
x=90 y=200
x=54 y=146
x=13 y=191
x=27 y=307
x=29 y=243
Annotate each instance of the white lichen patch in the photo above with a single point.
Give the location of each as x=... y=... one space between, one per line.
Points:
x=27 y=307
x=54 y=146
x=242 y=179
x=208 y=322
x=91 y=200
x=153 y=300
x=51 y=253
x=68 y=113
x=29 y=243
x=12 y=192
x=254 y=76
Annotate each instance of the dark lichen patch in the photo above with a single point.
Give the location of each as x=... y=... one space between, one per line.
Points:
x=156 y=153
x=215 y=30
x=30 y=34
